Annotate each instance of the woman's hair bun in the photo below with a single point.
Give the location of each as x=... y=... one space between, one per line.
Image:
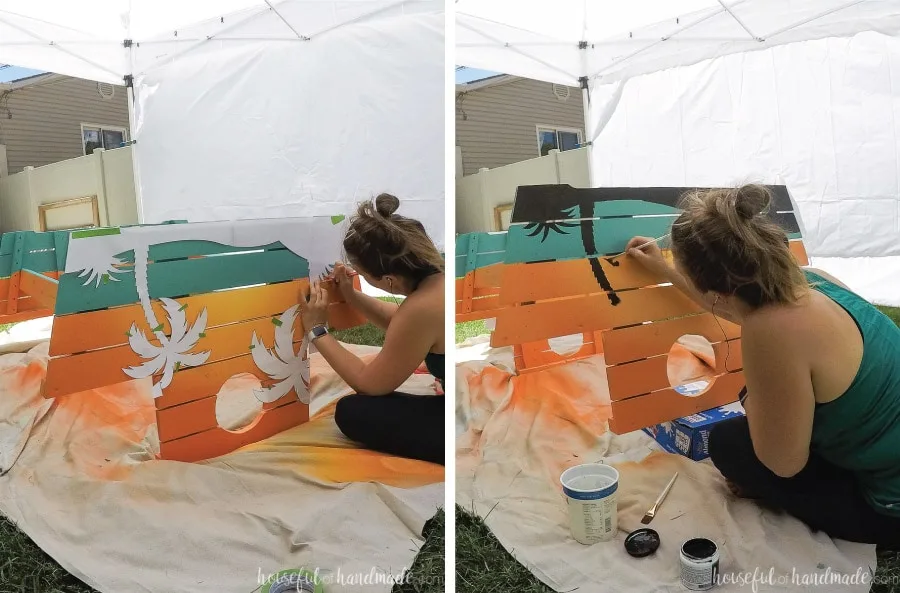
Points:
x=750 y=200
x=386 y=205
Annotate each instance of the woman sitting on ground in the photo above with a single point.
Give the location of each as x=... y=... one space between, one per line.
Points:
x=821 y=436
x=394 y=254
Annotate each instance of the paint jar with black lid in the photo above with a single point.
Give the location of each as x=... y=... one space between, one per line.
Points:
x=699 y=564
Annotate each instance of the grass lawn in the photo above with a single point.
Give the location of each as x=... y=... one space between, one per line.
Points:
x=484 y=566
x=25 y=568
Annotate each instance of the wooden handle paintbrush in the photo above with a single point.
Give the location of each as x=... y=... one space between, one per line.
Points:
x=648 y=516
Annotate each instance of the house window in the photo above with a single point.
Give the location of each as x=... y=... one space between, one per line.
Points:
x=105 y=137
x=557 y=138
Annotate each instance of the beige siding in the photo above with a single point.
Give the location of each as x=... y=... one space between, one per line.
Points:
x=497 y=125
x=41 y=123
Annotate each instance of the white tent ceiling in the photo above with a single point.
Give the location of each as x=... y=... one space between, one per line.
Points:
x=564 y=40
x=707 y=93
x=260 y=108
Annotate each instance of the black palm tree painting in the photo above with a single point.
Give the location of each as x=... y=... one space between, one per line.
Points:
x=583 y=210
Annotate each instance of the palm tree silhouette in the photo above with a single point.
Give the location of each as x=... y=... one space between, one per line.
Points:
x=583 y=209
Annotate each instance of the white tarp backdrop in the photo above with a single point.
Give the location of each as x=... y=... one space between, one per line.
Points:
x=673 y=104
x=260 y=109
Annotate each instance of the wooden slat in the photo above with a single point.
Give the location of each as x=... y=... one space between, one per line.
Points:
x=182 y=277
x=487 y=242
x=40 y=288
x=653 y=339
x=799 y=251
x=651 y=374
x=217 y=441
x=100 y=329
x=663 y=406
x=200 y=416
x=543 y=202
x=609 y=236
x=563 y=317
x=491 y=303
x=201 y=382
x=189 y=249
x=66 y=375
x=26 y=315
x=538 y=354
x=523 y=283
x=489 y=276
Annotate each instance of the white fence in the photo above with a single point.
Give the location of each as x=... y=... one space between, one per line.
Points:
x=97 y=189
x=483 y=199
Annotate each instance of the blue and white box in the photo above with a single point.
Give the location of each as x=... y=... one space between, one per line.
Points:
x=689 y=436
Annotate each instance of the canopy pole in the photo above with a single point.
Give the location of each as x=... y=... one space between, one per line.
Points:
x=589 y=140
x=129 y=86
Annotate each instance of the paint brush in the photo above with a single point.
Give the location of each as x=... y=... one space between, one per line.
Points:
x=641 y=246
x=648 y=516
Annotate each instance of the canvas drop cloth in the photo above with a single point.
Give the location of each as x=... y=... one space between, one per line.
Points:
x=515 y=436
x=79 y=479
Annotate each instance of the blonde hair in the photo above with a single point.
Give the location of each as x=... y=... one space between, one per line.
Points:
x=727 y=244
x=380 y=242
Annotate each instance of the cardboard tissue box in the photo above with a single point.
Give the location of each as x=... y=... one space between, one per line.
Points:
x=689 y=436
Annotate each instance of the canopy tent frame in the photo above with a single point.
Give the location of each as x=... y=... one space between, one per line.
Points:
x=129 y=45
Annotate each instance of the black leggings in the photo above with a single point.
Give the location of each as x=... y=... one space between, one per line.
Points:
x=824 y=496
x=409 y=426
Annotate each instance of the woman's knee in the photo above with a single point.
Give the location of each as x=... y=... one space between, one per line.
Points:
x=347 y=415
x=729 y=443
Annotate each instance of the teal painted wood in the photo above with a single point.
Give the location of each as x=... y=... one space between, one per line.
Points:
x=487 y=242
x=610 y=236
x=462 y=244
x=18 y=257
x=40 y=241
x=183 y=249
x=460 y=265
x=472 y=254
x=7 y=240
x=181 y=277
x=61 y=248
x=195 y=276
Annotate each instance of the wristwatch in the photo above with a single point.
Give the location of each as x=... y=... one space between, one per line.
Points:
x=317 y=332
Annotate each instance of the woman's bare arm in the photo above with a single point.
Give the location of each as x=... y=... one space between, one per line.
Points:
x=781 y=402
x=375 y=310
x=410 y=336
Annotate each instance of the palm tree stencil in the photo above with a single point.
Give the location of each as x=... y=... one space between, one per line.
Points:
x=584 y=210
x=282 y=364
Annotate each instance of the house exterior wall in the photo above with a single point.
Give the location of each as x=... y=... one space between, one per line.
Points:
x=40 y=123
x=497 y=125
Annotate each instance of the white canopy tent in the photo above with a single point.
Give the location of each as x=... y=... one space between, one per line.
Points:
x=260 y=108
x=700 y=93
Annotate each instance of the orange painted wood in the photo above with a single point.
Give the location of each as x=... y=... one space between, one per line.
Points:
x=538 y=354
x=26 y=315
x=799 y=251
x=200 y=382
x=200 y=415
x=100 y=329
x=524 y=283
x=489 y=276
x=491 y=303
x=40 y=288
x=653 y=339
x=651 y=374
x=529 y=323
x=66 y=374
x=218 y=441
x=662 y=406
x=12 y=301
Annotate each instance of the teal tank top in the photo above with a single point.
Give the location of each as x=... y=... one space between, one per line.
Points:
x=860 y=430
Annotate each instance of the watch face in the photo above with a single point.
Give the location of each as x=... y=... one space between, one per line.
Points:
x=319 y=331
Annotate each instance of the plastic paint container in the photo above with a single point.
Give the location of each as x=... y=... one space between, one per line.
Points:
x=293 y=581
x=699 y=564
x=591 y=498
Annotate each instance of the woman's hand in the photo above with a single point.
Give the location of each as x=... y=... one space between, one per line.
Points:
x=344 y=281
x=647 y=252
x=314 y=306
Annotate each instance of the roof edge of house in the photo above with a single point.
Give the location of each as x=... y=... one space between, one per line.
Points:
x=491 y=81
